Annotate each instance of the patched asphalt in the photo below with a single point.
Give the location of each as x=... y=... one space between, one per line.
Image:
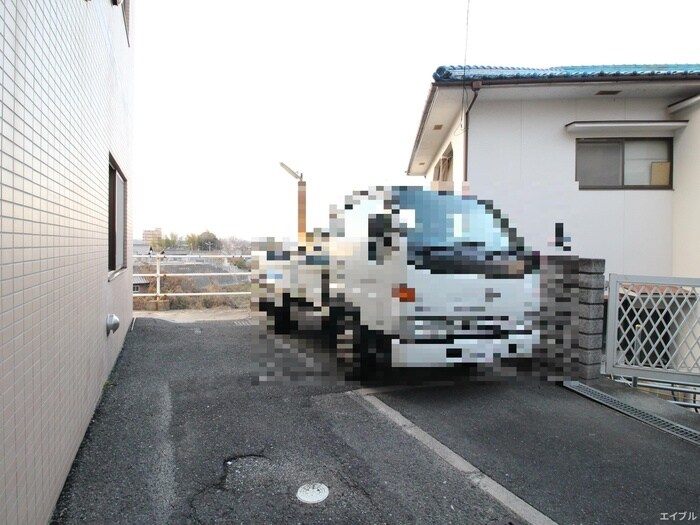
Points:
x=183 y=434
x=186 y=433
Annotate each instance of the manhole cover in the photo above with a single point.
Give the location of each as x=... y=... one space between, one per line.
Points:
x=312 y=493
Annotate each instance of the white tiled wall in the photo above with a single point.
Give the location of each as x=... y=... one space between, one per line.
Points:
x=66 y=105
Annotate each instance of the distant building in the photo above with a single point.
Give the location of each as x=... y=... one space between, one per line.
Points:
x=141 y=247
x=152 y=237
x=140 y=285
x=65 y=237
x=610 y=152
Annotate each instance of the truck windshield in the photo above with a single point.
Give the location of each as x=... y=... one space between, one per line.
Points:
x=461 y=234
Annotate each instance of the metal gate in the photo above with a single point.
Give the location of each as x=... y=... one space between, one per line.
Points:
x=653 y=328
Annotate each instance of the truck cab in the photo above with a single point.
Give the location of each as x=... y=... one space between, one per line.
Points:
x=413 y=278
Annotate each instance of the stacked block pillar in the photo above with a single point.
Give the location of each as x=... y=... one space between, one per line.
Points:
x=591 y=317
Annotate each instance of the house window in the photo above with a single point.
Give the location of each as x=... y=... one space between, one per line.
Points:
x=443 y=169
x=136 y=288
x=624 y=163
x=117 y=217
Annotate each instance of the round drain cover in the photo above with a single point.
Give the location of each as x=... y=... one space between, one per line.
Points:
x=312 y=493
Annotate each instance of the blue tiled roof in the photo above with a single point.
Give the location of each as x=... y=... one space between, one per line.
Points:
x=462 y=73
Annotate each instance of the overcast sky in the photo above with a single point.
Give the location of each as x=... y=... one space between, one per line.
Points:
x=226 y=89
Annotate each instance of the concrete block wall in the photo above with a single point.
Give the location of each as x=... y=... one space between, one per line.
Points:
x=65 y=106
x=571 y=318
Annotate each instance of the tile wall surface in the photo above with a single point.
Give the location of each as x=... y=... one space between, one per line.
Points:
x=65 y=106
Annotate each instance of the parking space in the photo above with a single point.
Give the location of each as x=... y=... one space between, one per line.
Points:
x=573 y=459
x=187 y=433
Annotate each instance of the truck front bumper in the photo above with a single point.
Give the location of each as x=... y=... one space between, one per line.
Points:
x=430 y=354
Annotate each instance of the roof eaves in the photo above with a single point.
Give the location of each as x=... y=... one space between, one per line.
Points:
x=515 y=75
x=424 y=118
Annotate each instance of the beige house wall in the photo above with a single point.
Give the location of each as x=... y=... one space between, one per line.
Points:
x=686 y=195
x=66 y=72
x=523 y=160
x=455 y=140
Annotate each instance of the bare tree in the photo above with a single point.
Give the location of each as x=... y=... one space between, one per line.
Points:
x=171 y=241
x=236 y=246
x=192 y=241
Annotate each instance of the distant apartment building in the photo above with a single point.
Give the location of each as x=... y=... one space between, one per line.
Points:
x=151 y=237
x=65 y=234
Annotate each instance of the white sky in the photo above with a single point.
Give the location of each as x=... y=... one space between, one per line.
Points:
x=227 y=89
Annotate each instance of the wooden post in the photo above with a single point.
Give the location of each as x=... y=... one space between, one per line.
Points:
x=157 y=277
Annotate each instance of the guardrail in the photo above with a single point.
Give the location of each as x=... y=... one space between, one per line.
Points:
x=160 y=274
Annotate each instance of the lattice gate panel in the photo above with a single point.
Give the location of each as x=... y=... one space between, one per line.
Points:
x=654 y=328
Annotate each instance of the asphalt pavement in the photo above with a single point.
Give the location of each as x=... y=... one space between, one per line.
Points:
x=187 y=433
x=576 y=461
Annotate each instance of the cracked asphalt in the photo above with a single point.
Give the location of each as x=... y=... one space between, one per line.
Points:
x=185 y=434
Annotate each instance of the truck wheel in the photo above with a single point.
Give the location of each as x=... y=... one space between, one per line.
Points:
x=277 y=319
x=351 y=345
x=282 y=316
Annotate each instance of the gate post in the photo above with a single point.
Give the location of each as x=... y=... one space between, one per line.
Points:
x=591 y=317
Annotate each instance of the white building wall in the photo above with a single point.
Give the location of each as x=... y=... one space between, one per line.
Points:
x=686 y=197
x=66 y=105
x=456 y=140
x=522 y=158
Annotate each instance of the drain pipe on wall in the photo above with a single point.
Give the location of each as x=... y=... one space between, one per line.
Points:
x=476 y=86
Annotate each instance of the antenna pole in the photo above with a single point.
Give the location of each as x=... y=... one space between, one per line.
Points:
x=291 y=171
x=301 y=211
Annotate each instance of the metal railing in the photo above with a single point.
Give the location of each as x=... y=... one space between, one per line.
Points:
x=654 y=329
x=161 y=260
x=679 y=393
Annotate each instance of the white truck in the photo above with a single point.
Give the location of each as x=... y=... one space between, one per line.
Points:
x=405 y=277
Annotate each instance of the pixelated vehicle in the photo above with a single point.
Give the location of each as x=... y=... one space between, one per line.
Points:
x=405 y=277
